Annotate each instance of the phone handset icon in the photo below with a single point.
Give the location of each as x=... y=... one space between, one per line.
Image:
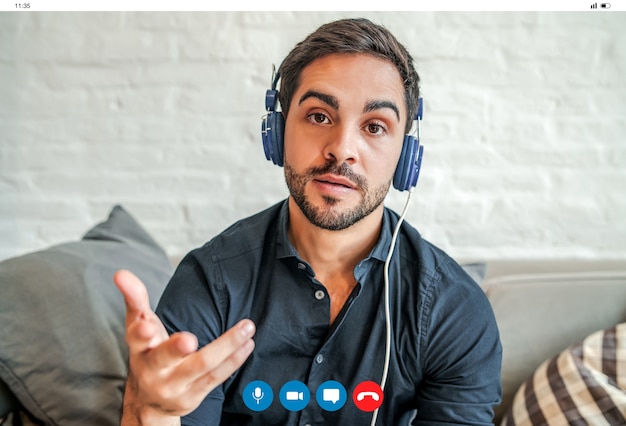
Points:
x=361 y=395
x=368 y=396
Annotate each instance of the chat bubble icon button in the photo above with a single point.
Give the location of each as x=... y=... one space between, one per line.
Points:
x=331 y=395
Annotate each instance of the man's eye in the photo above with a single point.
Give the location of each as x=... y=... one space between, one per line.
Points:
x=318 y=118
x=375 y=129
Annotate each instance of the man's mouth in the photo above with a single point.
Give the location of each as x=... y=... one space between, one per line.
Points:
x=336 y=180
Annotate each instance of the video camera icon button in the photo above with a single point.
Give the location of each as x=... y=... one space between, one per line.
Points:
x=258 y=395
x=294 y=395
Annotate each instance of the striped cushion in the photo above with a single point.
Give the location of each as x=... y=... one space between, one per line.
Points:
x=584 y=384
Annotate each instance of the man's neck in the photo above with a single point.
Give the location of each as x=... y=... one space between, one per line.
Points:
x=333 y=252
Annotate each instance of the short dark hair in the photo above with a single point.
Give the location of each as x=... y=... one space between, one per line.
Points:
x=350 y=36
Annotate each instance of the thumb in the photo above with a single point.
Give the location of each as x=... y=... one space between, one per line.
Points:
x=135 y=294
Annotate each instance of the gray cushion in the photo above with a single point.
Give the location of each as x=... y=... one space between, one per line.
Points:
x=62 y=349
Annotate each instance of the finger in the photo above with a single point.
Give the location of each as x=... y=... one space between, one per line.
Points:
x=218 y=351
x=145 y=333
x=201 y=371
x=134 y=292
x=217 y=376
x=144 y=329
x=172 y=351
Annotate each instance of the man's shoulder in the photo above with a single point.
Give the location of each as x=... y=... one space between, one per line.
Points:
x=436 y=265
x=417 y=250
x=255 y=224
x=245 y=235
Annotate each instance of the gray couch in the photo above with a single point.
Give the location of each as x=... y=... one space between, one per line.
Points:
x=542 y=307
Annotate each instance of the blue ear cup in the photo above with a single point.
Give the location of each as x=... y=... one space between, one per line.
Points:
x=408 y=168
x=272 y=131
x=273 y=126
x=410 y=162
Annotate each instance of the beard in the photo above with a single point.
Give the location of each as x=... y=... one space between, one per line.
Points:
x=331 y=216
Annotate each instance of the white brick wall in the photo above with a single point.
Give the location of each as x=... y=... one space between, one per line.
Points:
x=525 y=126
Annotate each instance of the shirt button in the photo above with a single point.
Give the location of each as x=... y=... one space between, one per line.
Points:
x=301 y=266
x=319 y=358
x=319 y=294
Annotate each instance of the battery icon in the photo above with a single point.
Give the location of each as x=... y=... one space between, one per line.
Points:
x=605 y=5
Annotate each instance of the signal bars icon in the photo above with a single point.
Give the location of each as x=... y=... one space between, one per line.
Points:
x=602 y=5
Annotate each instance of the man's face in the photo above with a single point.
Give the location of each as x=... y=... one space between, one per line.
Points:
x=343 y=137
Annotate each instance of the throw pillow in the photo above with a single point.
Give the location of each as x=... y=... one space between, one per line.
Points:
x=584 y=384
x=62 y=348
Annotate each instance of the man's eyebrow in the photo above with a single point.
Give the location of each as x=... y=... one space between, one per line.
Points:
x=374 y=105
x=327 y=99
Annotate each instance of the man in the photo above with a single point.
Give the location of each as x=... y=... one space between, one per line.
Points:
x=307 y=275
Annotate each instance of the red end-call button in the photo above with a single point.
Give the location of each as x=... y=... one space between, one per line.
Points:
x=367 y=396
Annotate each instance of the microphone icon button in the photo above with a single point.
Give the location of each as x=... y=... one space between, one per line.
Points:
x=257 y=395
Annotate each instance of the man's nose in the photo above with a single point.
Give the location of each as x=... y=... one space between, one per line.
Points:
x=342 y=145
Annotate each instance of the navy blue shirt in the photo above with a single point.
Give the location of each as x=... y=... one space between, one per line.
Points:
x=445 y=353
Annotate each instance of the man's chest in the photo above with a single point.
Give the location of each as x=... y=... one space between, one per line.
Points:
x=294 y=342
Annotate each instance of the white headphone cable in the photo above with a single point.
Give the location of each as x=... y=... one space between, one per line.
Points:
x=394 y=238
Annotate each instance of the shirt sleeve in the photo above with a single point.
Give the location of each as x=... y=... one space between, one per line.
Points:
x=190 y=303
x=461 y=354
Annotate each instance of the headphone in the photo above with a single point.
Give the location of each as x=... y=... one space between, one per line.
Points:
x=273 y=130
